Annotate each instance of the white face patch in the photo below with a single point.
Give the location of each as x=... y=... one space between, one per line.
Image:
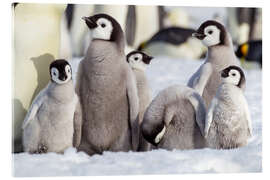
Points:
x=103 y=30
x=136 y=61
x=55 y=75
x=233 y=78
x=212 y=36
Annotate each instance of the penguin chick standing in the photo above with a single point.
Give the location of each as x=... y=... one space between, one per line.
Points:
x=219 y=56
x=55 y=112
x=228 y=123
x=107 y=90
x=175 y=119
x=138 y=62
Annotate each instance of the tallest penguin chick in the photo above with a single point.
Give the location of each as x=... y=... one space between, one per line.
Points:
x=219 y=56
x=107 y=90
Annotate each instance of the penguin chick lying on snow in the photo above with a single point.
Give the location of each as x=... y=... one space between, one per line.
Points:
x=138 y=62
x=228 y=123
x=175 y=119
x=51 y=124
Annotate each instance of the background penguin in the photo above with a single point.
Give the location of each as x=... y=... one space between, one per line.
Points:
x=250 y=51
x=138 y=62
x=175 y=119
x=36 y=45
x=174 y=42
x=147 y=23
x=79 y=35
x=245 y=24
x=107 y=90
x=228 y=123
x=49 y=123
x=220 y=55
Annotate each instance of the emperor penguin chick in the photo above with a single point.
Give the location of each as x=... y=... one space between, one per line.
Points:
x=107 y=90
x=175 y=119
x=228 y=123
x=54 y=114
x=138 y=62
x=219 y=56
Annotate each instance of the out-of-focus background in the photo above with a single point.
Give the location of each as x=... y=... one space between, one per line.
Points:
x=164 y=30
x=44 y=32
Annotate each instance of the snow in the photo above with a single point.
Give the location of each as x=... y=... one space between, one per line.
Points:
x=161 y=73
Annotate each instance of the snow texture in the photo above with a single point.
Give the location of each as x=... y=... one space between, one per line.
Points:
x=161 y=73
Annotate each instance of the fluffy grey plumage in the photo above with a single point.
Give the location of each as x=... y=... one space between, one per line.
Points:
x=145 y=97
x=107 y=90
x=228 y=123
x=219 y=56
x=138 y=62
x=182 y=112
x=48 y=126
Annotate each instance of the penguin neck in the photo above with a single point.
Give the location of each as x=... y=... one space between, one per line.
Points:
x=139 y=68
x=62 y=92
x=100 y=50
x=118 y=43
x=222 y=55
x=227 y=90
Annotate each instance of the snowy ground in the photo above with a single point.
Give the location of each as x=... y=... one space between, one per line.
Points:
x=162 y=73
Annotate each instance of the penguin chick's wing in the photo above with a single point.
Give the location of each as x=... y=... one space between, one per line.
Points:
x=248 y=118
x=200 y=110
x=133 y=102
x=200 y=82
x=209 y=116
x=37 y=102
x=77 y=120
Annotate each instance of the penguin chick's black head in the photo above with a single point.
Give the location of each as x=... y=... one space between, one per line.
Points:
x=139 y=56
x=60 y=71
x=234 y=75
x=211 y=33
x=104 y=27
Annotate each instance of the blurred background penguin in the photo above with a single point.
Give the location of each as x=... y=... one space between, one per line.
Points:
x=163 y=30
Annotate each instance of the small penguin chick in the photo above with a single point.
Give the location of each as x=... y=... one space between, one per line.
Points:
x=138 y=60
x=60 y=71
x=211 y=33
x=51 y=124
x=228 y=122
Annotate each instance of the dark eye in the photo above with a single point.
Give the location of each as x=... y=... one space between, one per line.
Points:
x=210 y=32
x=54 y=73
x=103 y=25
x=136 y=58
x=233 y=74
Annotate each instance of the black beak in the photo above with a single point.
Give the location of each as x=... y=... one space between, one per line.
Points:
x=63 y=77
x=147 y=59
x=198 y=35
x=90 y=22
x=223 y=74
